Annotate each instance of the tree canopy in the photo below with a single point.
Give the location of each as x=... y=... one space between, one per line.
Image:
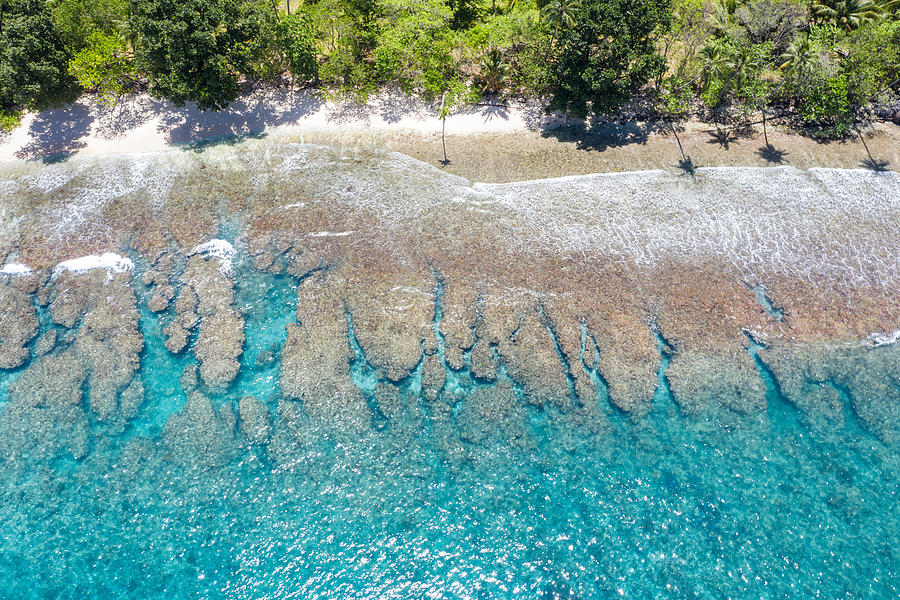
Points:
x=608 y=56
x=821 y=63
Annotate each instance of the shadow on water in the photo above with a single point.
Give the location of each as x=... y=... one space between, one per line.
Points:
x=231 y=139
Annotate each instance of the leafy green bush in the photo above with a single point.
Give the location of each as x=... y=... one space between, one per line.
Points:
x=9 y=120
x=76 y=20
x=198 y=49
x=295 y=36
x=104 y=65
x=609 y=56
x=414 y=46
x=826 y=104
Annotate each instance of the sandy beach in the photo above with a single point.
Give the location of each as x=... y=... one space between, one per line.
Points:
x=497 y=142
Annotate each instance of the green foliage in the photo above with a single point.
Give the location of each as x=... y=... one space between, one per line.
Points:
x=826 y=59
x=826 y=103
x=609 y=56
x=104 y=66
x=197 y=49
x=494 y=71
x=295 y=35
x=415 y=44
x=674 y=97
x=846 y=14
x=9 y=120
x=76 y=20
x=33 y=59
x=734 y=71
x=873 y=62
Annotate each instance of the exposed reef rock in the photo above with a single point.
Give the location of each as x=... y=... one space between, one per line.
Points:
x=107 y=340
x=208 y=290
x=418 y=292
x=18 y=318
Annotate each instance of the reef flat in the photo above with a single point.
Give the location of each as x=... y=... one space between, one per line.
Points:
x=188 y=305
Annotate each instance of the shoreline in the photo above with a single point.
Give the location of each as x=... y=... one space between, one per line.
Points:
x=485 y=143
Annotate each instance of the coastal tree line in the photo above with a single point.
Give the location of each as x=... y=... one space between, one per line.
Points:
x=823 y=63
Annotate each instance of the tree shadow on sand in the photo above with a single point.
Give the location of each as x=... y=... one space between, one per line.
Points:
x=600 y=136
x=57 y=134
x=772 y=155
x=687 y=166
x=246 y=116
x=870 y=162
x=723 y=137
x=875 y=164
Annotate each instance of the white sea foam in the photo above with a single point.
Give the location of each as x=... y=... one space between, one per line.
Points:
x=330 y=233
x=15 y=268
x=113 y=263
x=821 y=225
x=221 y=250
x=883 y=339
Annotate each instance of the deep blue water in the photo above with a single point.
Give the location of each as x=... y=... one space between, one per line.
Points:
x=542 y=506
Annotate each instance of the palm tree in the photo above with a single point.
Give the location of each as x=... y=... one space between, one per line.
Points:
x=493 y=70
x=712 y=59
x=847 y=14
x=798 y=59
x=559 y=14
x=722 y=16
x=890 y=6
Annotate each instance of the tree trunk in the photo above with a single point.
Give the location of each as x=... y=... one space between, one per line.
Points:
x=443 y=139
x=765 y=133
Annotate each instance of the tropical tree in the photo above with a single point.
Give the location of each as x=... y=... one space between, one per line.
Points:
x=295 y=36
x=559 y=15
x=846 y=14
x=609 y=57
x=104 y=65
x=799 y=59
x=197 y=49
x=891 y=7
x=494 y=71
x=33 y=59
x=76 y=20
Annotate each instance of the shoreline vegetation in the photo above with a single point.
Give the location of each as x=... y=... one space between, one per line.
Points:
x=823 y=69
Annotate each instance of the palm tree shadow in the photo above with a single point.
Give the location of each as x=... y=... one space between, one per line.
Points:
x=723 y=137
x=687 y=166
x=875 y=164
x=771 y=154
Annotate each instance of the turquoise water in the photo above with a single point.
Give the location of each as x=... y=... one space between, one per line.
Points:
x=540 y=506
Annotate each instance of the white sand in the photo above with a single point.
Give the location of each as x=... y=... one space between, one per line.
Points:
x=145 y=124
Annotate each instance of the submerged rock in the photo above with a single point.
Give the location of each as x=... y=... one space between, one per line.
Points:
x=198 y=436
x=44 y=415
x=256 y=422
